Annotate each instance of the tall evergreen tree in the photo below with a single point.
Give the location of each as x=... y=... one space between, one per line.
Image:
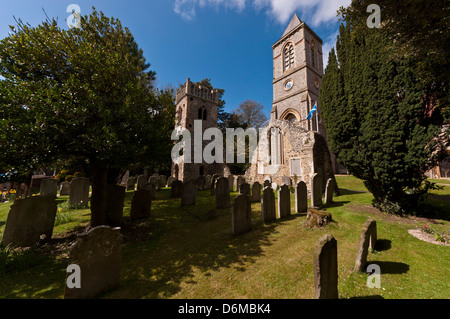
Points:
x=375 y=112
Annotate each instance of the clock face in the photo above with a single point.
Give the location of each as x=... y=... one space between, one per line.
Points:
x=288 y=85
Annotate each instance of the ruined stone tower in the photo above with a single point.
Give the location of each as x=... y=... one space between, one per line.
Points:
x=199 y=104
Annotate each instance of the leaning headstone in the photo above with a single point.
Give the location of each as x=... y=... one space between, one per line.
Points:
x=175 y=191
x=115 y=203
x=208 y=180
x=326 y=268
x=141 y=204
x=222 y=193
x=131 y=182
x=170 y=180
x=316 y=191
x=256 y=192
x=28 y=219
x=141 y=182
x=79 y=192
x=244 y=189
x=329 y=190
x=268 y=212
x=98 y=254
x=240 y=180
x=201 y=182
x=284 y=201
x=64 y=189
x=231 y=182
x=241 y=220
x=49 y=187
x=188 y=193
x=367 y=241
x=301 y=197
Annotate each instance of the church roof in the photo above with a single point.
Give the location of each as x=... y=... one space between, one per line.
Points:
x=295 y=21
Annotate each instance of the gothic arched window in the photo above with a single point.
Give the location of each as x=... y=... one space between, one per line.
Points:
x=288 y=57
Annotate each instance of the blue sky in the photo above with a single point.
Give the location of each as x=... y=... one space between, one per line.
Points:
x=229 y=41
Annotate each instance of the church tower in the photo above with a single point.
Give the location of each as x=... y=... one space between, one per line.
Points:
x=196 y=105
x=297 y=76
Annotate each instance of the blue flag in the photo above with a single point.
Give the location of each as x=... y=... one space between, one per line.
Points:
x=314 y=109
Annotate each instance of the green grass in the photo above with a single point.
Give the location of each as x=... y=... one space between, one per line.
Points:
x=184 y=254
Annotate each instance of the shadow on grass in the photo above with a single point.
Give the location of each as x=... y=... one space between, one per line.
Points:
x=182 y=246
x=383 y=244
x=335 y=203
x=344 y=191
x=368 y=297
x=391 y=267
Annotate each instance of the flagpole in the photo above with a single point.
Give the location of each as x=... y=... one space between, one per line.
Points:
x=317 y=118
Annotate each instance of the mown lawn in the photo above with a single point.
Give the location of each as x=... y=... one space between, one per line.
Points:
x=182 y=253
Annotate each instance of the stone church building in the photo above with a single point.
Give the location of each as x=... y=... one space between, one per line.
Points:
x=291 y=145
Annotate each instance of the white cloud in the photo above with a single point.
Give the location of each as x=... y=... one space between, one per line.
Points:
x=328 y=44
x=313 y=12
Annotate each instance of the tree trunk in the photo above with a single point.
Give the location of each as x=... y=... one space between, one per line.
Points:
x=99 y=171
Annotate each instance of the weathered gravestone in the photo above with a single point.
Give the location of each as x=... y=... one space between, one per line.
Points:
x=162 y=180
x=241 y=220
x=268 y=212
x=301 y=197
x=155 y=182
x=213 y=183
x=208 y=180
x=329 y=190
x=284 y=201
x=267 y=183
x=98 y=254
x=64 y=189
x=79 y=192
x=256 y=192
x=230 y=183
x=201 y=182
x=131 y=182
x=244 y=189
x=367 y=241
x=170 y=180
x=141 y=182
x=188 y=193
x=28 y=219
x=222 y=193
x=316 y=191
x=326 y=268
x=49 y=187
x=150 y=187
x=175 y=191
x=240 y=180
x=274 y=186
x=141 y=204
x=115 y=203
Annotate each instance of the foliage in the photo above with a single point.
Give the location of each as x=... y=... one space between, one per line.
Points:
x=377 y=119
x=78 y=93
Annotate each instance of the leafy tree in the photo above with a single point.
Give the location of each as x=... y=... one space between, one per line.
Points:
x=377 y=118
x=84 y=92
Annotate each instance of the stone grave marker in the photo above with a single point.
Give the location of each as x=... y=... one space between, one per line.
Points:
x=284 y=201
x=131 y=182
x=28 y=219
x=326 y=268
x=316 y=191
x=115 y=203
x=367 y=241
x=256 y=192
x=141 y=204
x=64 y=189
x=175 y=191
x=98 y=254
x=79 y=192
x=170 y=180
x=268 y=211
x=329 y=190
x=188 y=193
x=241 y=220
x=49 y=187
x=201 y=181
x=301 y=197
x=244 y=189
x=222 y=193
